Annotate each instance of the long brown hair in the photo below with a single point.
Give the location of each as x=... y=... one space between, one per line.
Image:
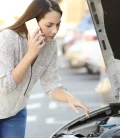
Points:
x=37 y=9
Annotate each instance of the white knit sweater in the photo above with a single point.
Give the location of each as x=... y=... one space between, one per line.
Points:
x=13 y=48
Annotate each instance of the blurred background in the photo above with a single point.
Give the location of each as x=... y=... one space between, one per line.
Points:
x=81 y=67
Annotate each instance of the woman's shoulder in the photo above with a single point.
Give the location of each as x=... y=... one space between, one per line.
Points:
x=8 y=34
x=8 y=39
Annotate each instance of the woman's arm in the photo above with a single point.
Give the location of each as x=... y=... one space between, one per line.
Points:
x=34 y=46
x=11 y=76
x=20 y=70
x=63 y=96
x=51 y=83
x=50 y=80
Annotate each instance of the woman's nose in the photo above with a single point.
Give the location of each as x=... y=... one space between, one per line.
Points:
x=55 y=30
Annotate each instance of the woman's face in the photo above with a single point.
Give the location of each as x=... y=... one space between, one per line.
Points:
x=49 y=25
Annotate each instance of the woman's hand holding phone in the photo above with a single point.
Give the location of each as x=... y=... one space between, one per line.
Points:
x=35 y=43
x=35 y=38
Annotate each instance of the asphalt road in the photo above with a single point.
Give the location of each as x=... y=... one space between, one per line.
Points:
x=45 y=116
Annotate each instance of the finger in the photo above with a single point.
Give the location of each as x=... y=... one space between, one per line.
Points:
x=81 y=105
x=74 y=108
x=87 y=113
x=38 y=36
x=40 y=46
x=42 y=34
x=41 y=40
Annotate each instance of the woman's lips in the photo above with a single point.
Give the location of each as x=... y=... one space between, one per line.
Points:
x=50 y=37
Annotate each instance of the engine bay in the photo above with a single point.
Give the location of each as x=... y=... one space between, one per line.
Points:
x=102 y=123
x=100 y=128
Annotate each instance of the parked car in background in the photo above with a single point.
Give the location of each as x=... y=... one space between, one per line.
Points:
x=85 y=52
x=75 y=33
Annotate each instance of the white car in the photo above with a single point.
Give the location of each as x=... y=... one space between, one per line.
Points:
x=85 y=52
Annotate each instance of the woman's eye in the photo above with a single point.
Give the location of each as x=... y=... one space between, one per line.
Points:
x=51 y=25
x=48 y=25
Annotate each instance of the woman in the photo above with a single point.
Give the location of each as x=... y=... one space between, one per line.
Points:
x=25 y=59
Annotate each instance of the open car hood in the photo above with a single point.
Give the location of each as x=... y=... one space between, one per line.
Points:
x=97 y=125
x=106 y=19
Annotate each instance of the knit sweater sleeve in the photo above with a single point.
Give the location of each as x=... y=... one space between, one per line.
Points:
x=7 y=42
x=50 y=80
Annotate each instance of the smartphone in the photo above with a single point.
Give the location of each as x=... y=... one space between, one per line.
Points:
x=32 y=25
